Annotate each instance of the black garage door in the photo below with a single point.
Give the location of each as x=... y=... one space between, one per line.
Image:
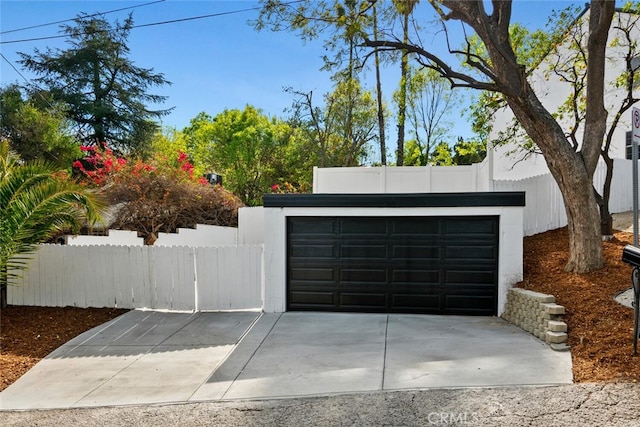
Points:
x=436 y=265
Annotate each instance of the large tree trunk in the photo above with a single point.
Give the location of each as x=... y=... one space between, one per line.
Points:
x=573 y=177
x=606 y=219
x=585 y=241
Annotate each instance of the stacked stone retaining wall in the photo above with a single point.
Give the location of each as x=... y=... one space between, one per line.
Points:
x=537 y=314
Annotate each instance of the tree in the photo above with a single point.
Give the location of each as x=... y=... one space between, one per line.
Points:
x=379 y=98
x=340 y=133
x=105 y=94
x=343 y=23
x=560 y=54
x=572 y=169
x=34 y=132
x=570 y=65
x=405 y=8
x=35 y=204
x=244 y=146
x=429 y=99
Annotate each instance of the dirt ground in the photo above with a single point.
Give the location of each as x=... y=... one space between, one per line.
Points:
x=27 y=334
x=600 y=329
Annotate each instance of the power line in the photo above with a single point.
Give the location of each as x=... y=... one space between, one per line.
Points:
x=88 y=16
x=14 y=67
x=173 y=21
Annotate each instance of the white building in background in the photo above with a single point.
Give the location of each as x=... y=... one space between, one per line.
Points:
x=507 y=160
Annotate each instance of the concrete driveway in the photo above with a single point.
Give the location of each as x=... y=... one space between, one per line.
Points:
x=145 y=357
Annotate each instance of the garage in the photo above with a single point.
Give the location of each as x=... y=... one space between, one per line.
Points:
x=434 y=265
x=430 y=253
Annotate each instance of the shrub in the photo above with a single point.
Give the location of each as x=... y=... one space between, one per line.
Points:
x=159 y=196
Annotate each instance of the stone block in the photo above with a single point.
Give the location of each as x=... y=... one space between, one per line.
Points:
x=556 y=337
x=544 y=298
x=557 y=326
x=553 y=308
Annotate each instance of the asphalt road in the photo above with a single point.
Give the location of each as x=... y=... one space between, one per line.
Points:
x=569 y=405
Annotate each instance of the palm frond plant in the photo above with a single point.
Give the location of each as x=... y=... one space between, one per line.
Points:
x=36 y=203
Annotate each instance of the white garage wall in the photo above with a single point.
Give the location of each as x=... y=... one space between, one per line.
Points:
x=275 y=263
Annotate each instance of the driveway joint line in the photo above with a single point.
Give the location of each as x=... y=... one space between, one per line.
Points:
x=224 y=359
x=193 y=316
x=252 y=354
x=384 y=354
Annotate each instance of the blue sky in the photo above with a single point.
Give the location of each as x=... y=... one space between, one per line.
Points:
x=214 y=63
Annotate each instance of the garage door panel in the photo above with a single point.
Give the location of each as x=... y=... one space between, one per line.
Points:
x=363 y=226
x=363 y=276
x=470 y=253
x=353 y=300
x=415 y=226
x=415 y=252
x=460 y=303
x=470 y=277
x=312 y=274
x=466 y=226
x=313 y=226
x=313 y=298
x=425 y=277
x=313 y=251
x=417 y=303
x=370 y=252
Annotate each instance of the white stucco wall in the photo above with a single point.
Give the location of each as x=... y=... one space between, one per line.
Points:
x=275 y=244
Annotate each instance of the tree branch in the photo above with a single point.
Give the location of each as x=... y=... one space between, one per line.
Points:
x=456 y=79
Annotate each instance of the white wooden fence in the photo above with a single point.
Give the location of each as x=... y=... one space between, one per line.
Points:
x=405 y=179
x=172 y=278
x=544 y=209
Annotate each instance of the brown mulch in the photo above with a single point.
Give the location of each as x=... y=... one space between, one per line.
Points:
x=600 y=329
x=27 y=334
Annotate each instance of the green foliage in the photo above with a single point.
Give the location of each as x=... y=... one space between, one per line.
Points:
x=429 y=101
x=167 y=143
x=36 y=203
x=561 y=49
x=342 y=22
x=469 y=152
x=463 y=153
x=246 y=147
x=35 y=132
x=442 y=155
x=340 y=134
x=414 y=154
x=530 y=48
x=104 y=93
